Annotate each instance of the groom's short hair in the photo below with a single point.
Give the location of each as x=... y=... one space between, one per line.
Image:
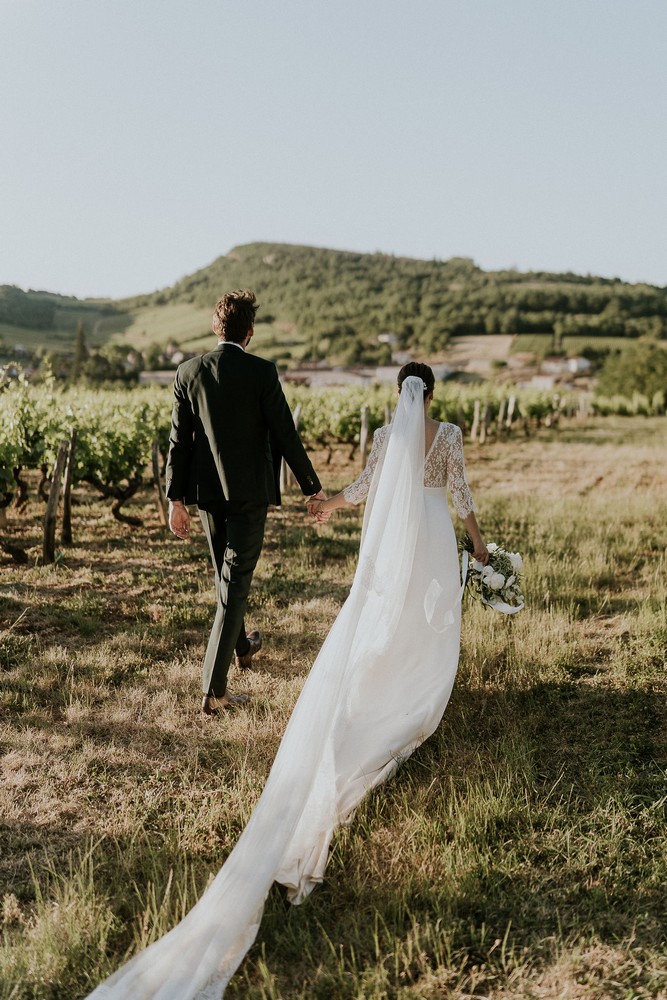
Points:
x=234 y=315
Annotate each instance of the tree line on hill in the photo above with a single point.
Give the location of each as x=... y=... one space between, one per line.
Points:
x=361 y=308
x=343 y=301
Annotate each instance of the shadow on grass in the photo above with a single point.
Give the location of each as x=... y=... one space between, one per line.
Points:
x=570 y=847
x=284 y=590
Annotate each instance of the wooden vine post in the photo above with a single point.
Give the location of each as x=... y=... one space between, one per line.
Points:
x=501 y=416
x=511 y=406
x=160 y=495
x=66 y=533
x=286 y=477
x=474 y=430
x=363 y=435
x=49 y=547
x=485 y=423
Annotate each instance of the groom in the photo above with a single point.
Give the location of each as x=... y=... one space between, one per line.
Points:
x=230 y=427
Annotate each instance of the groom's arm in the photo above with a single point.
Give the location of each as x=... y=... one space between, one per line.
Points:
x=283 y=432
x=181 y=442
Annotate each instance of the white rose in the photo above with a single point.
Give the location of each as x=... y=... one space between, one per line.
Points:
x=517 y=561
x=477 y=565
x=497 y=581
x=492 y=547
x=487 y=572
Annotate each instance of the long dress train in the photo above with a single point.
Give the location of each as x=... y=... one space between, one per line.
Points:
x=377 y=689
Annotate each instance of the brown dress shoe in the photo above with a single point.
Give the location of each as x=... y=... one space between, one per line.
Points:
x=245 y=662
x=211 y=705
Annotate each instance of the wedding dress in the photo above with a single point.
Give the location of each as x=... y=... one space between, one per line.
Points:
x=377 y=689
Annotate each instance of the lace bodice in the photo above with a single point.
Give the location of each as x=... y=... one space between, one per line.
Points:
x=444 y=466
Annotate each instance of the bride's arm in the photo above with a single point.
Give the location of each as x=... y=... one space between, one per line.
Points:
x=480 y=551
x=357 y=491
x=462 y=497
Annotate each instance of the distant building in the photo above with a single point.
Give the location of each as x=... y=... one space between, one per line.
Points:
x=329 y=376
x=160 y=377
x=578 y=365
x=555 y=365
x=367 y=375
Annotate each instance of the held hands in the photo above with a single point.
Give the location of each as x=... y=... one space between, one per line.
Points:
x=315 y=506
x=316 y=510
x=179 y=519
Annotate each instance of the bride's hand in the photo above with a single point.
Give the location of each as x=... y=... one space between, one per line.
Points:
x=480 y=552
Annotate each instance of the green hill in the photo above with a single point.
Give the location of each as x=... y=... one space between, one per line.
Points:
x=328 y=303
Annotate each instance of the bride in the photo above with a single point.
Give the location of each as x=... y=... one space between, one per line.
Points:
x=377 y=689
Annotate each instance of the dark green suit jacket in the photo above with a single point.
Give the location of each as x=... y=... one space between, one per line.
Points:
x=230 y=427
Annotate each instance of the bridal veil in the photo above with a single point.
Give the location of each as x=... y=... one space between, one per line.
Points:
x=353 y=721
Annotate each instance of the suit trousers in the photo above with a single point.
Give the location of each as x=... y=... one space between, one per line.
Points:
x=235 y=533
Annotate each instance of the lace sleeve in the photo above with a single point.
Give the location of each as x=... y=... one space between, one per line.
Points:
x=358 y=490
x=456 y=476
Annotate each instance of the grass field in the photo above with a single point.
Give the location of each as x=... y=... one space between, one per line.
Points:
x=520 y=853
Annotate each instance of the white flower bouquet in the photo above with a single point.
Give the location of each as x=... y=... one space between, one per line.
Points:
x=498 y=584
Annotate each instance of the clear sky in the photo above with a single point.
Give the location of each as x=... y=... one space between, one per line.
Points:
x=141 y=139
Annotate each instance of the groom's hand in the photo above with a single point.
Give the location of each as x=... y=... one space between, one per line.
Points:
x=313 y=505
x=179 y=519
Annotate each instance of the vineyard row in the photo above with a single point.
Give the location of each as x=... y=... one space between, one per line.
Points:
x=120 y=434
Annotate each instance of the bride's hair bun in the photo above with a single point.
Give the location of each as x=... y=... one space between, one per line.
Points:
x=419 y=370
